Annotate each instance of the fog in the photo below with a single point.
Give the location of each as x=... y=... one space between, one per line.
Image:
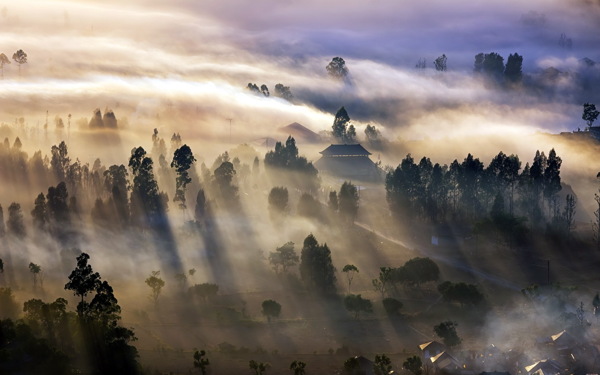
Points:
x=183 y=66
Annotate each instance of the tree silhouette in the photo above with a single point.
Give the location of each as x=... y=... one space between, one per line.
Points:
x=271 y=309
x=350 y=270
x=278 y=199
x=183 y=158
x=40 y=212
x=417 y=271
x=340 y=124
x=385 y=278
x=352 y=366
x=224 y=179
x=382 y=364
x=298 y=367
x=253 y=87
x=58 y=207
x=60 y=161
x=285 y=158
x=356 y=304
x=106 y=343
x=204 y=291
x=512 y=71
x=463 y=293
x=3 y=60
x=265 y=90
x=259 y=368
x=490 y=64
x=156 y=284
x=52 y=321
x=551 y=180
x=147 y=204
x=116 y=182
x=447 y=331
x=590 y=114
x=83 y=281
x=283 y=257
x=35 y=270
x=414 y=365
x=15 y=223
x=20 y=58
x=316 y=267
x=24 y=353
x=337 y=68
x=373 y=135
x=200 y=361
x=348 y=202
x=283 y=92
x=440 y=63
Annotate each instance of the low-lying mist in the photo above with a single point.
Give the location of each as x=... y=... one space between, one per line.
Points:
x=176 y=73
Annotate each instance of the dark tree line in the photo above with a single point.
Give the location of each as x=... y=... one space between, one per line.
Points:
x=468 y=190
x=281 y=91
x=491 y=65
x=284 y=158
x=50 y=339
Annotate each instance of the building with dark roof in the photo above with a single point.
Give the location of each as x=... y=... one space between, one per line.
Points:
x=350 y=162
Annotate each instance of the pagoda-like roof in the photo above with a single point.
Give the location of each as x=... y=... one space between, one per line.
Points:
x=345 y=150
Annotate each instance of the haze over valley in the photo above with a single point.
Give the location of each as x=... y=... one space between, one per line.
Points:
x=315 y=188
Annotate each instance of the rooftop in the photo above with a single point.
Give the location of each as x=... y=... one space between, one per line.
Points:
x=345 y=150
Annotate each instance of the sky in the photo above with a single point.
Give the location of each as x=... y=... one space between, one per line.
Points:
x=191 y=61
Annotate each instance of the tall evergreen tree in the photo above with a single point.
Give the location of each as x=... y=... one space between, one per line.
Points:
x=60 y=161
x=337 y=68
x=590 y=114
x=107 y=344
x=223 y=177
x=40 y=212
x=512 y=71
x=316 y=267
x=116 y=184
x=348 y=201
x=15 y=223
x=147 y=206
x=340 y=124
x=440 y=63
x=183 y=158
x=57 y=203
x=552 y=180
